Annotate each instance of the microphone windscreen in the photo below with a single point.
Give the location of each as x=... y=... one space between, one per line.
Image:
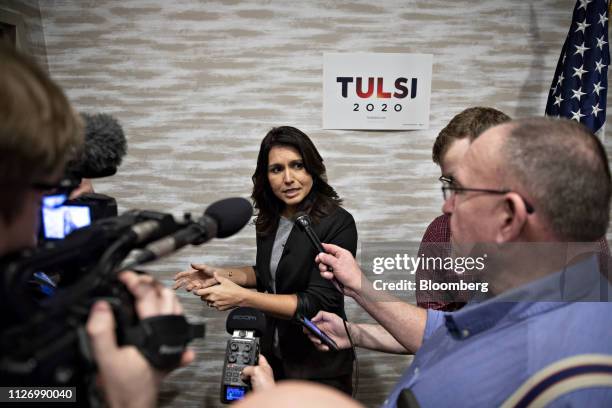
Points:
x=246 y=318
x=231 y=215
x=104 y=147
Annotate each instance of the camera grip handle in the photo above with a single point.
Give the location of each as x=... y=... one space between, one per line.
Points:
x=163 y=339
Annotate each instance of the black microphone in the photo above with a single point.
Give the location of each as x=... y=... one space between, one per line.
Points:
x=246 y=325
x=305 y=224
x=220 y=220
x=104 y=148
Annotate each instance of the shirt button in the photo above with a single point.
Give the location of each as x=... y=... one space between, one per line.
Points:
x=416 y=371
x=465 y=333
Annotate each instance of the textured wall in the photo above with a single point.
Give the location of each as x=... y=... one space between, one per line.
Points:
x=197 y=85
x=25 y=14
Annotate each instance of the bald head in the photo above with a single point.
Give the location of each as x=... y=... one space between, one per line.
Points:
x=299 y=394
x=564 y=171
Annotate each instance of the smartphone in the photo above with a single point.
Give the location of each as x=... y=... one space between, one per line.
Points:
x=314 y=330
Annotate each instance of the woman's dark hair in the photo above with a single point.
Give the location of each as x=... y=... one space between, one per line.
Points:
x=321 y=200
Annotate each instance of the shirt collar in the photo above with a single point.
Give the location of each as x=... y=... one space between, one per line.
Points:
x=577 y=282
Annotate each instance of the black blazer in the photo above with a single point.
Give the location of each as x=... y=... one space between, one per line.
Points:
x=298 y=274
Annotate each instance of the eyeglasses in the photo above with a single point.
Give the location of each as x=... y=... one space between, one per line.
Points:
x=448 y=189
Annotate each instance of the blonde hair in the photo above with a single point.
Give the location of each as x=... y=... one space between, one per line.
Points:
x=38 y=128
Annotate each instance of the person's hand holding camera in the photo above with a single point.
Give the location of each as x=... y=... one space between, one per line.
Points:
x=126 y=377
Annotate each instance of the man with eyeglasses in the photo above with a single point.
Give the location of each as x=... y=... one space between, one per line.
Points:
x=451 y=144
x=451 y=186
x=38 y=133
x=533 y=197
x=449 y=147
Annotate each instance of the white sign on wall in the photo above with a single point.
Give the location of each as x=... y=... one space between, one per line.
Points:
x=376 y=91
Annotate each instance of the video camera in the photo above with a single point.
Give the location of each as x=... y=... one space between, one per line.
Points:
x=44 y=341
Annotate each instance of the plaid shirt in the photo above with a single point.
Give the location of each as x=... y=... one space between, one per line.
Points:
x=436 y=243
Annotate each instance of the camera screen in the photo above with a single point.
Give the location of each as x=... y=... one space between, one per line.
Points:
x=59 y=221
x=234 y=393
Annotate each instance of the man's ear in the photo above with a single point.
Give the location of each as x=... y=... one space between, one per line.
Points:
x=512 y=218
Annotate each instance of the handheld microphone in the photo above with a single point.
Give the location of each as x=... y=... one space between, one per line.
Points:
x=220 y=220
x=246 y=325
x=305 y=224
x=104 y=148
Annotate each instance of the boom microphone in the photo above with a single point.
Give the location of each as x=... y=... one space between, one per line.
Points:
x=69 y=259
x=220 y=220
x=104 y=148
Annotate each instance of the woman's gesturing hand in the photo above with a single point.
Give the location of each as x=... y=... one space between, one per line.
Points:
x=226 y=295
x=199 y=276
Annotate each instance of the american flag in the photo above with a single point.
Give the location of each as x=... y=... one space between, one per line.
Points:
x=579 y=87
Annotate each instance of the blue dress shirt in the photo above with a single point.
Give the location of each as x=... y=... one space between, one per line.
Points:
x=479 y=355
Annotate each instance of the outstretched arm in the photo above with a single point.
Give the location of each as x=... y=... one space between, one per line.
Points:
x=405 y=322
x=201 y=276
x=227 y=295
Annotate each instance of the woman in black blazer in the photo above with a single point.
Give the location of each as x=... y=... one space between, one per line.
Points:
x=289 y=179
